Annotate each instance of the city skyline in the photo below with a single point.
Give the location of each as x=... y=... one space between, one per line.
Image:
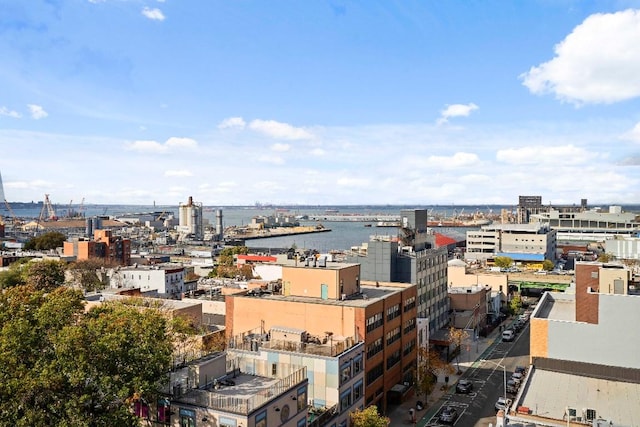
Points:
x=322 y=103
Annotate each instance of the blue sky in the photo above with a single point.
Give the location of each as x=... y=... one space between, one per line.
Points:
x=320 y=102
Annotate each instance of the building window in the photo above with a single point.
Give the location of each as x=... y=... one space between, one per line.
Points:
x=375 y=373
x=374 y=322
x=261 y=419
x=393 y=335
x=302 y=398
x=357 y=364
x=345 y=372
x=227 y=422
x=141 y=409
x=187 y=417
x=393 y=312
x=374 y=348
x=164 y=411
x=409 y=303
x=345 y=400
x=409 y=325
x=274 y=369
x=393 y=359
x=358 y=390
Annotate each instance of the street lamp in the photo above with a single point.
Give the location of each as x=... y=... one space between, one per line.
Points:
x=504 y=370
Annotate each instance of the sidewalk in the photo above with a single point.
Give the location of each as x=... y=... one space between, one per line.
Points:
x=399 y=415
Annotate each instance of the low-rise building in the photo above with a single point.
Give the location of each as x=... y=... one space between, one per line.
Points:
x=104 y=246
x=584 y=362
x=224 y=392
x=328 y=302
x=531 y=242
x=164 y=280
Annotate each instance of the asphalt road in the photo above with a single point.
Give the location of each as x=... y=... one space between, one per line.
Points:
x=476 y=409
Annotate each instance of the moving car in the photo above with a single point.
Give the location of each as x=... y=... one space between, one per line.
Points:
x=464 y=386
x=508 y=335
x=448 y=415
x=502 y=404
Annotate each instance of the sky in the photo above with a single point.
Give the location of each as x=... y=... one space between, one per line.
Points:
x=238 y=102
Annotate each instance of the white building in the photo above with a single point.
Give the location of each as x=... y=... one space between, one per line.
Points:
x=163 y=279
x=520 y=242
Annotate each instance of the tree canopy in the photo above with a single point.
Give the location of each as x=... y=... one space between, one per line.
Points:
x=41 y=274
x=369 y=417
x=430 y=364
x=503 y=261
x=60 y=366
x=46 y=241
x=548 y=265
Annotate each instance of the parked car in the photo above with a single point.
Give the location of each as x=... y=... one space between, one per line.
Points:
x=508 y=335
x=448 y=415
x=521 y=369
x=512 y=387
x=517 y=326
x=517 y=377
x=464 y=386
x=502 y=403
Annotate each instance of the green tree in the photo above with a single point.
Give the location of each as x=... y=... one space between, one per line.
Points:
x=548 y=265
x=515 y=304
x=369 y=417
x=458 y=336
x=61 y=366
x=88 y=274
x=46 y=241
x=44 y=275
x=605 y=257
x=503 y=261
x=430 y=364
x=11 y=277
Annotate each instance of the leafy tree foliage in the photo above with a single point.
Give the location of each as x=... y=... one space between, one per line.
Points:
x=226 y=266
x=503 y=261
x=369 y=417
x=548 y=265
x=430 y=364
x=46 y=241
x=12 y=277
x=60 y=366
x=458 y=336
x=87 y=275
x=44 y=275
x=515 y=304
x=605 y=257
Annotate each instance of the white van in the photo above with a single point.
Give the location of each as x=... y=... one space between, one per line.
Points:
x=508 y=335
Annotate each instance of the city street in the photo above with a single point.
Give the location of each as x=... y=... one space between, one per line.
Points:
x=476 y=409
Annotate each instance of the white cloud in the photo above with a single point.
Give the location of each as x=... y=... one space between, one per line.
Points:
x=318 y=152
x=353 y=182
x=633 y=134
x=280 y=147
x=173 y=143
x=271 y=159
x=154 y=14
x=178 y=173
x=565 y=155
x=456 y=110
x=37 y=112
x=599 y=62
x=232 y=122
x=458 y=160
x=4 y=111
x=279 y=130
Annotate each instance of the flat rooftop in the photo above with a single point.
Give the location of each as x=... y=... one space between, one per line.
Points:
x=556 y=307
x=548 y=394
x=368 y=295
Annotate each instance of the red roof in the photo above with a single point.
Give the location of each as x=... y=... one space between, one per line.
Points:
x=442 y=240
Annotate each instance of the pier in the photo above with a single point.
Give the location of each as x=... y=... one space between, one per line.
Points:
x=247 y=234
